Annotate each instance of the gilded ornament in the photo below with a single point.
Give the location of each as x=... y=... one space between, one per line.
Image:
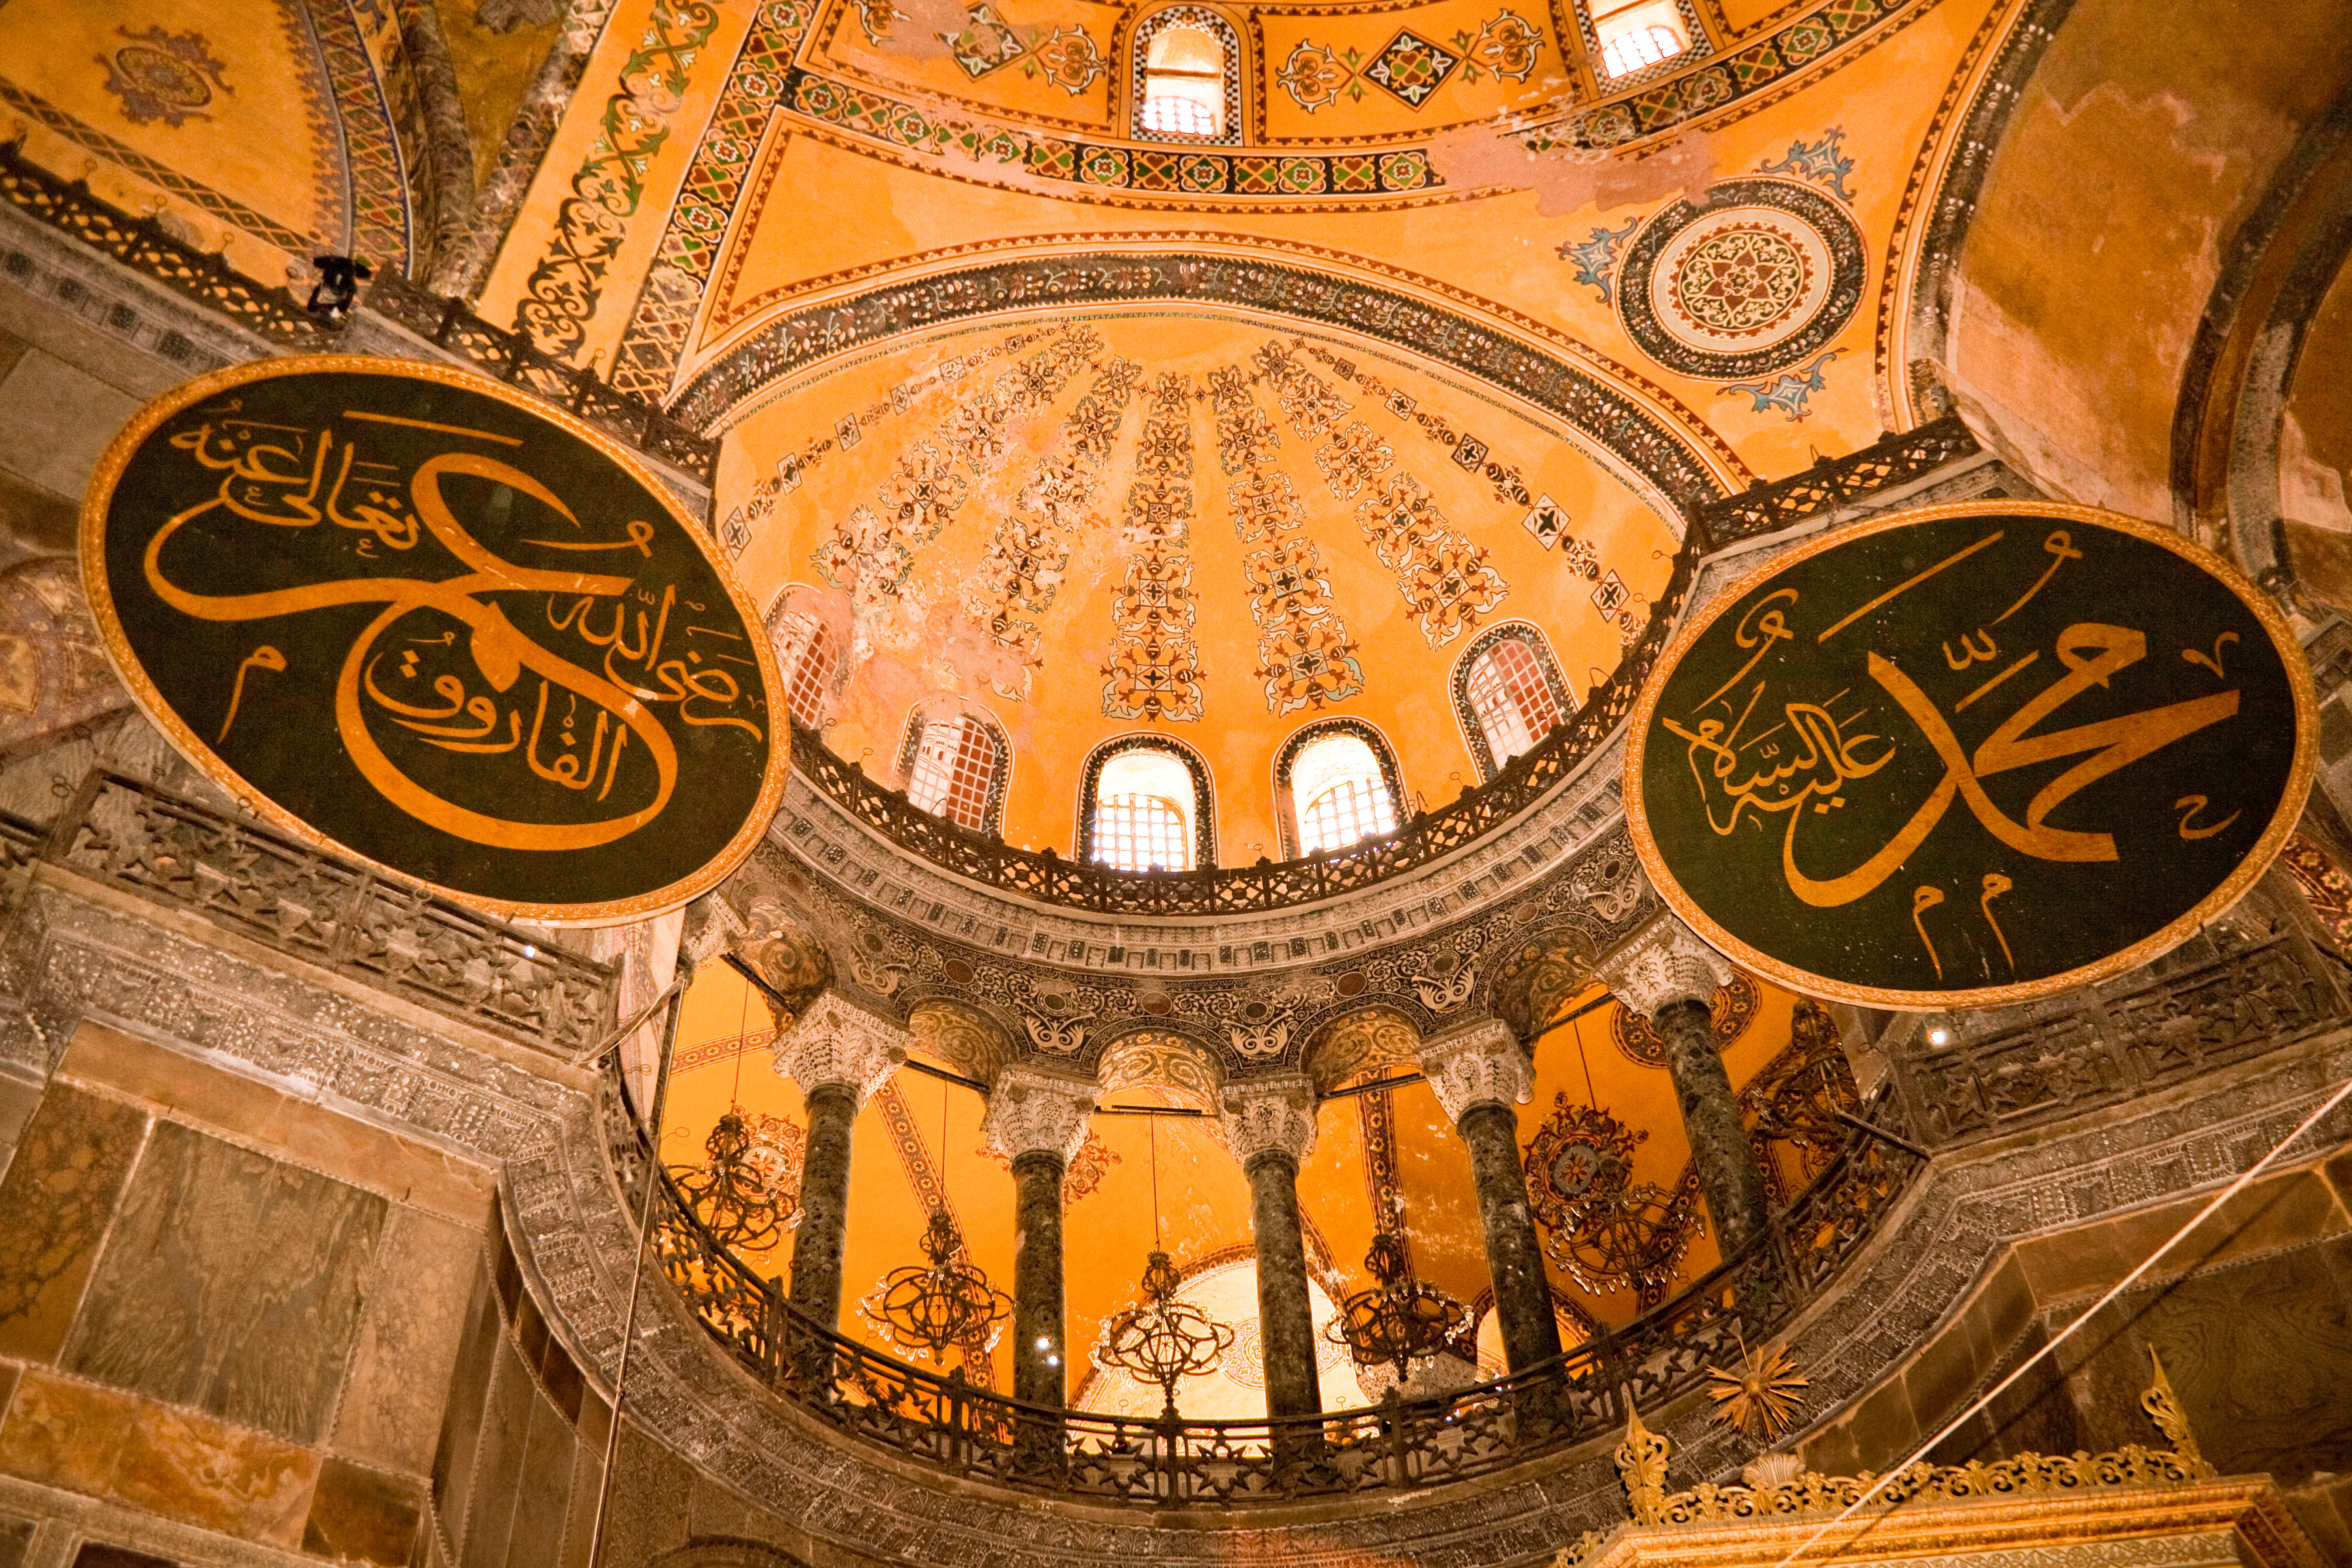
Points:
x=1763 y=1397
x=1641 y=1467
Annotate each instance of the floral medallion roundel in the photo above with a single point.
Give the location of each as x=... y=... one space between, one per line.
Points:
x=1762 y=274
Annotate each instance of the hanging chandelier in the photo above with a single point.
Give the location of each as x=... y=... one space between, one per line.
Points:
x=947 y=1304
x=1398 y=1320
x=728 y=1193
x=1163 y=1339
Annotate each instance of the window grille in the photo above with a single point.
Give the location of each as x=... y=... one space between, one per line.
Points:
x=1633 y=38
x=954 y=767
x=1511 y=699
x=1184 y=82
x=1141 y=833
x=808 y=649
x=1349 y=810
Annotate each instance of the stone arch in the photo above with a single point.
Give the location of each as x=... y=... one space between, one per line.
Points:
x=1528 y=981
x=724 y=1551
x=1364 y=1043
x=790 y=956
x=966 y=1038
x=1165 y=1060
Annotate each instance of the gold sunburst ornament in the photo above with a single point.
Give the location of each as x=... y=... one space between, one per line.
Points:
x=1763 y=1397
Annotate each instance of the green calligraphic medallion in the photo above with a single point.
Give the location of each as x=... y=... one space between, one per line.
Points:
x=427 y=622
x=1971 y=754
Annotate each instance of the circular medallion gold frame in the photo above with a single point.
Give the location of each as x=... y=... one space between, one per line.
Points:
x=97 y=501
x=2171 y=935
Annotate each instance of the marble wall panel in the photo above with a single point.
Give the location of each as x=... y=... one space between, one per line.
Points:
x=647 y=1512
x=181 y=1464
x=499 y=1463
x=236 y=1481
x=16 y=1541
x=99 y=1554
x=55 y=1201
x=409 y=1334
x=361 y=1515
x=232 y=1283
x=461 y=1425
x=543 y=1490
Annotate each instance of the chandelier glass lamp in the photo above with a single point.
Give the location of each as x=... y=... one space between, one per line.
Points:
x=946 y=1304
x=1397 y=1320
x=1162 y=1339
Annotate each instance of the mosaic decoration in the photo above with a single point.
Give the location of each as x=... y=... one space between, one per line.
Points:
x=1660 y=453
x=1315 y=77
x=706 y=202
x=164 y=76
x=362 y=119
x=420 y=619
x=1412 y=68
x=1508 y=47
x=735 y=531
x=1792 y=1103
x=872 y=550
x=1467 y=452
x=1607 y=1232
x=1734 y=1008
x=1442 y=576
x=1859 y=704
x=987 y=45
x=1305 y=656
x=1022 y=572
x=563 y=290
x=2325 y=887
x=1763 y=276
x=1595 y=260
x=54 y=676
x=1153 y=670
x=1067 y=58
x=1824 y=162
x=1789 y=391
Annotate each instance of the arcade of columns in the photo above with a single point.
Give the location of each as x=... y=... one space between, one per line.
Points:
x=840 y=1055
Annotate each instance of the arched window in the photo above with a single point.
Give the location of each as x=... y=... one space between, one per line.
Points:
x=1635 y=37
x=1508 y=694
x=1336 y=782
x=954 y=765
x=808 y=651
x=1187 y=76
x=1145 y=807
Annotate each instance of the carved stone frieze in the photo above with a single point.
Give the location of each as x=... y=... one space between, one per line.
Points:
x=834 y=1042
x=1269 y=1114
x=1479 y=1063
x=1031 y=1110
x=1665 y=963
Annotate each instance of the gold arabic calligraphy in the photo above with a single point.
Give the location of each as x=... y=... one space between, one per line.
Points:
x=266 y=478
x=1804 y=766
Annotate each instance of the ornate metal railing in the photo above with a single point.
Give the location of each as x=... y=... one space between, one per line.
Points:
x=273 y=889
x=1048 y=878
x=951 y=1424
x=144 y=245
x=1889 y=461
x=2104 y=1044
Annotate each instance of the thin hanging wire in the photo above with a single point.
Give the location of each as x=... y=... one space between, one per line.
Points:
x=1154 y=1124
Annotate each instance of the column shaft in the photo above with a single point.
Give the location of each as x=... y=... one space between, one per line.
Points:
x=1037 y=1279
x=1285 y=1316
x=825 y=1204
x=1728 y=1172
x=1513 y=1256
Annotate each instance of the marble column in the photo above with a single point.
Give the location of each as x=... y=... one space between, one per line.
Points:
x=1671 y=976
x=1269 y=1122
x=839 y=1054
x=1038 y=1120
x=1478 y=1071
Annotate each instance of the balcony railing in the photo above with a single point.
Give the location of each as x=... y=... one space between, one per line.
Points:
x=1048 y=878
x=1886 y=463
x=271 y=889
x=143 y=245
x=952 y=1426
x=2101 y=1045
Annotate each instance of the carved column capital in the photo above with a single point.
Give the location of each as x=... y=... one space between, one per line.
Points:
x=1030 y=1110
x=832 y=1042
x=1263 y=1113
x=710 y=925
x=1477 y=1063
x=1663 y=964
